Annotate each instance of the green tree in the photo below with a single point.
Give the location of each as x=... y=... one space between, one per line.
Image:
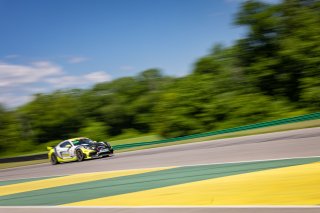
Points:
x=282 y=47
x=94 y=130
x=51 y=117
x=11 y=132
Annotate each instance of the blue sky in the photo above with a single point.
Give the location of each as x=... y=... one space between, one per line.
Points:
x=56 y=44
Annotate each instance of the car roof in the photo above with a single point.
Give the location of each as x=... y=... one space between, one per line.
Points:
x=75 y=139
x=71 y=140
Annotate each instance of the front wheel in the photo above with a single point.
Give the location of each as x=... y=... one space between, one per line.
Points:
x=53 y=159
x=80 y=155
x=109 y=147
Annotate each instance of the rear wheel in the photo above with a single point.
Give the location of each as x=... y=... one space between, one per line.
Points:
x=80 y=155
x=54 y=159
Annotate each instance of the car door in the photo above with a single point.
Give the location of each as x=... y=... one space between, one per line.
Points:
x=72 y=151
x=64 y=150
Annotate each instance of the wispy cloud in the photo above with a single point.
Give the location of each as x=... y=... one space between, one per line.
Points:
x=12 y=56
x=126 y=68
x=19 y=82
x=98 y=76
x=76 y=59
x=12 y=74
x=69 y=81
x=12 y=100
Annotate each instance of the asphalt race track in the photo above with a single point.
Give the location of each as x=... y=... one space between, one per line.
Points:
x=280 y=145
x=295 y=143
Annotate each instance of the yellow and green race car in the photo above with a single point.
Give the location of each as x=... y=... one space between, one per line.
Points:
x=78 y=149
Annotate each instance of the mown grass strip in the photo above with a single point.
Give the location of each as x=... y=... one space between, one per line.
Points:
x=293 y=185
x=133 y=183
x=67 y=180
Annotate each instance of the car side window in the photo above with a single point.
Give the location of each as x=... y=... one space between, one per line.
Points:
x=64 y=144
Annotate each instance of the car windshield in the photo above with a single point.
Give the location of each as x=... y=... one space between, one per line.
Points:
x=82 y=141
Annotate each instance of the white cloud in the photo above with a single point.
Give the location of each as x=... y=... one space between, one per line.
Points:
x=19 y=82
x=12 y=74
x=97 y=77
x=12 y=100
x=68 y=81
x=77 y=59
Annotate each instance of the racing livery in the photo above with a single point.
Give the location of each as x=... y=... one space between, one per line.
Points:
x=78 y=149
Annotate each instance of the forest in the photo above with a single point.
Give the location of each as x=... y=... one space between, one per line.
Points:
x=272 y=72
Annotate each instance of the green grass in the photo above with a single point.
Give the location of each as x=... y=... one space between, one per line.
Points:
x=36 y=149
x=146 y=138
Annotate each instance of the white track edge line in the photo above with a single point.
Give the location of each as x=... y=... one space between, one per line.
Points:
x=175 y=166
x=146 y=207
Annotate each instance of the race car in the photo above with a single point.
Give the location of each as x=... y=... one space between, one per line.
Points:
x=78 y=149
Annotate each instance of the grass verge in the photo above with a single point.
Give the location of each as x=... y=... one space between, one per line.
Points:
x=145 y=138
x=279 y=128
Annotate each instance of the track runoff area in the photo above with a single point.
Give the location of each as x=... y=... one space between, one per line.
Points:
x=290 y=183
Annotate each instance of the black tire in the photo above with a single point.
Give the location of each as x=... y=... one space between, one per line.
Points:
x=110 y=148
x=53 y=159
x=80 y=155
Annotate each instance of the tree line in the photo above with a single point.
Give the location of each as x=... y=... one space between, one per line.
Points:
x=273 y=72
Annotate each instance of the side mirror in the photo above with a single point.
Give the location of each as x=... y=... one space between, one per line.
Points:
x=49 y=148
x=68 y=146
